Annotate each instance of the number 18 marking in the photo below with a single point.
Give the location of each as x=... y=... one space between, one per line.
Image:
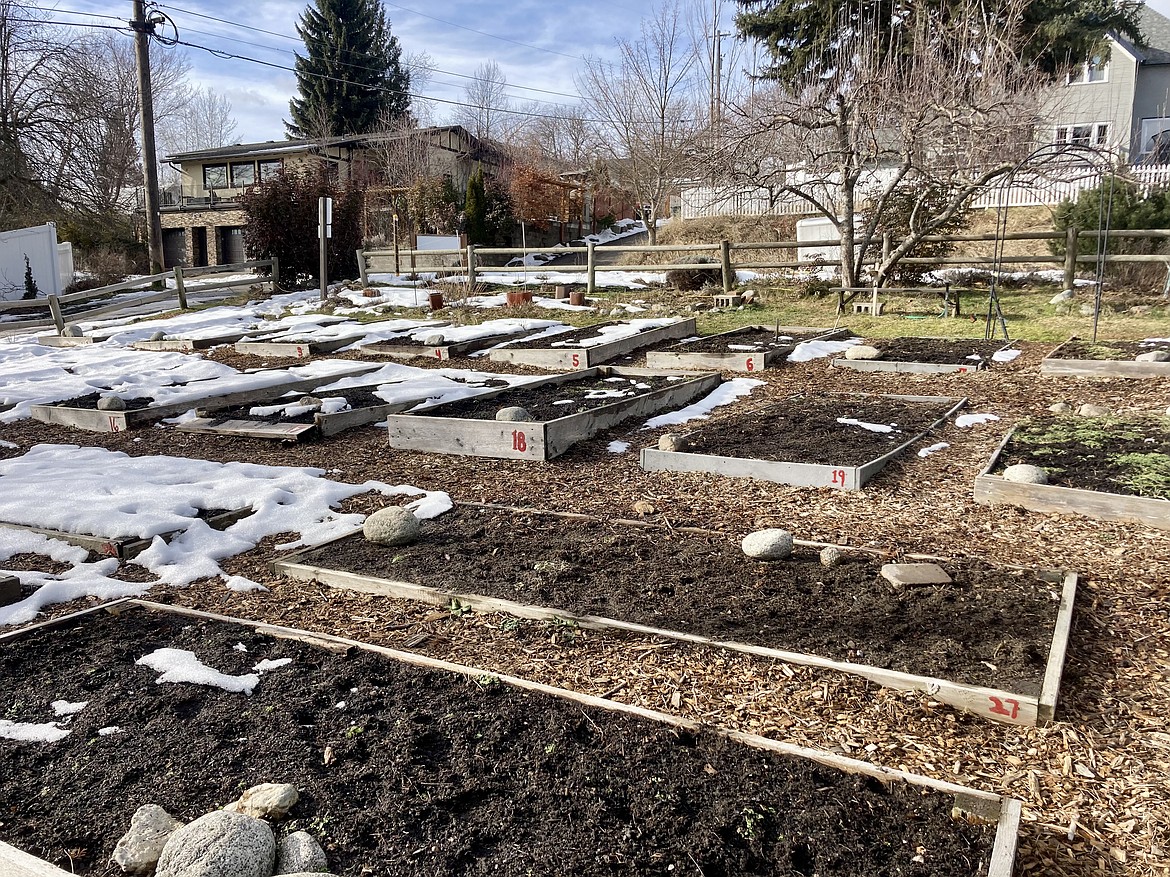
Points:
x=519 y=441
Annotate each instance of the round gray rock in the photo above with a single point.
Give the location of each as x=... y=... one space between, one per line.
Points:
x=1091 y=410
x=1023 y=473
x=267 y=800
x=300 y=853
x=111 y=403
x=1067 y=295
x=1153 y=356
x=771 y=544
x=220 y=844
x=158 y=336
x=72 y=331
x=391 y=526
x=1060 y=408
x=139 y=848
x=434 y=340
x=513 y=414
x=672 y=442
x=309 y=401
x=831 y=557
x=862 y=351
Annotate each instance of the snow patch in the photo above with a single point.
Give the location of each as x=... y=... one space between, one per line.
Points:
x=617 y=447
x=180 y=665
x=65 y=708
x=965 y=420
x=926 y=452
x=26 y=732
x=872 y=427
x=724 y=394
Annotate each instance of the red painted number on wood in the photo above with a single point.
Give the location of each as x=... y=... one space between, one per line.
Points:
x=751 y=364
x=576 y=360
x=999 y=707
x=519 y=441
x=438 y=353
x=114 y=426
x=838 y=478
x=300 y=351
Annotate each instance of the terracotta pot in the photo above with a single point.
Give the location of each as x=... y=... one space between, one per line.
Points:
x=577 y=297
x=436 y=301
x=515 y=297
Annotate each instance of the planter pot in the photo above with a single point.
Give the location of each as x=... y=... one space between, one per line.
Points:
x=577 y=297
x=518 y=297
x=436 y=301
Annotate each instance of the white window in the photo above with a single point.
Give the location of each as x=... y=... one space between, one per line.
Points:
x=1093 y=70
x=1083 y=134
x=1155 y=145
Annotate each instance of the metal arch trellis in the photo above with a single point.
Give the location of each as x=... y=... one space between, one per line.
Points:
x=1086 y=162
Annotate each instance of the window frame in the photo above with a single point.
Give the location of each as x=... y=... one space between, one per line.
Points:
x=1092 y=71
x=1096 y=134
x=262 y=176
x=209 y=186
x=233 y=165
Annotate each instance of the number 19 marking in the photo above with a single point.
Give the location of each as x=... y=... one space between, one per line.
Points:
x=838 y=478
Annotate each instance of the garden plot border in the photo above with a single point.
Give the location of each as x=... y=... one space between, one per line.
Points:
x=126 y=547
x=588 y=357
x=543 y=439
x=93 y=420
x=1101 y=368
x=186 y=345
x=70 y=340
x=974 y=804
x=302 y=349
x=739 y=361
x=793 y=474
x=990 y=703
x=920 y=368
x=994 y=490
x=438 y=352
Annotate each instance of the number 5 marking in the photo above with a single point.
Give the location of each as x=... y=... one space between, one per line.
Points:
x=576 y=360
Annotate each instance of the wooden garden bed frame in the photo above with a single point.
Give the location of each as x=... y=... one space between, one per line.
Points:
x=794 y=474
x=295 y=349
x=126 y=547
x=588 y=357
x=1101 y=368
x=973 y=804
x=186 y=345
x=994 y=490
x=543 y=439
x=991 y=703
x=93 y=420
x=737 y=360
x=920 y=368
x=440 y=352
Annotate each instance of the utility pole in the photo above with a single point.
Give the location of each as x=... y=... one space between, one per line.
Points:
x=143 y=30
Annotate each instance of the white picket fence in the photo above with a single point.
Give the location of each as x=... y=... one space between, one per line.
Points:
x=1029 y=191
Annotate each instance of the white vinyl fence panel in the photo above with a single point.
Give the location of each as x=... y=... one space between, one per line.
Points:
x=39 y=244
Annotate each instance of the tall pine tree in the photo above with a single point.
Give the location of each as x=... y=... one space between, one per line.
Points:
x=352 y=78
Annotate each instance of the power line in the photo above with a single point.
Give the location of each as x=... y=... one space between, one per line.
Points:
x=57 y=11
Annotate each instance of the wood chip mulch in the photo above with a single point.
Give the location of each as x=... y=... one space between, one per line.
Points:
x=1094 y=784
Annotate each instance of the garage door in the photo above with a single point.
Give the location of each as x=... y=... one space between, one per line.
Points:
x=175 y=248
x=231 y=244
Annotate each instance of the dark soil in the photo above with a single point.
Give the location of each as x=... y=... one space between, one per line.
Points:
x=433 y=774
x=571 y=338
x=1108 y=350
x=757 y=339
x=541 y=401
x=703 y=584
x=805 y=429
x=91 y=402
x=942 y=351
x=1126 y=456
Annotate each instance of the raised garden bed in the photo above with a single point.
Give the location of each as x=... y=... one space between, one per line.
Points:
x=460 y=771
x=82 y=411
x=412 y=348
x=1111 y=469
x=992 y=641
x=809 y=441
x=566 y=409
x=927 y=356
x=585 y=348
x=285 y=420
x=748 y=349
x=187 y=343
x=295 y=348
x=1106 y=359
x=127 y=547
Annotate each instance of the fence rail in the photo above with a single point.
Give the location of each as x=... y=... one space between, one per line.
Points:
x=56 y=304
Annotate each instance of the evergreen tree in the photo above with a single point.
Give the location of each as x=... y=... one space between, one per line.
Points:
x=475 y=210
x=803 y=36
x=352 y=77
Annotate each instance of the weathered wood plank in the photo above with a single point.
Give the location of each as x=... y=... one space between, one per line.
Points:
x=1054 y=669
x=440 y=352
x=14 y=863
x=740 y=361
x=587 y=357
x=1149 y=511
x=921 y=368
x=286 y=432
x=294 y=349
x=1103 y=368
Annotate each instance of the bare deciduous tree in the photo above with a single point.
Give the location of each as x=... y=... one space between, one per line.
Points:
x=487 y=103
x=646 y=107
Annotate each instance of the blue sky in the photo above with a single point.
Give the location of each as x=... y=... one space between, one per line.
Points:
x=536 y=43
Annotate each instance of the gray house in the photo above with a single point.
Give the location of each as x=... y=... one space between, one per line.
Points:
x=1122 y=102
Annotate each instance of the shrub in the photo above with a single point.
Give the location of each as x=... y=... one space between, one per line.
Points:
x=31 y=290
x=904 y=211
x=706 y=272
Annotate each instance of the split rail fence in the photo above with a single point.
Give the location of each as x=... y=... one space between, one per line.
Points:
x=71 y=307
x=375 y=261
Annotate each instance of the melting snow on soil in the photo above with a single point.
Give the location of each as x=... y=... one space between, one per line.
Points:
x=180 y=665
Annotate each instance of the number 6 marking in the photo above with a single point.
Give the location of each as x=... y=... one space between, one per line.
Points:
x=838 y=479
x=519 y=441
x=751 y=364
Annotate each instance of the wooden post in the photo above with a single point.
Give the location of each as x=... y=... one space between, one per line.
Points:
x=361 y=260
x=590 y=270
x=725 y=258
x=1070 y=257
x=55 y=310
x=470 y=267
x=275 y=273
x=180 y=288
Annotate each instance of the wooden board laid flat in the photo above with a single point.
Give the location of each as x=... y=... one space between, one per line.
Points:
x=791 y=473
x=992 y=703
x=189 y=344
x=539 y=440
x=125 y=547
x=994 y=490
x=442 y=351
x=285 y=432
x=294 y=349
x=587 y=357
x=92 y=420
x=1101 y=368
x=972 y=804
x=921 y=368
x=737 y=360
x=68 y=340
